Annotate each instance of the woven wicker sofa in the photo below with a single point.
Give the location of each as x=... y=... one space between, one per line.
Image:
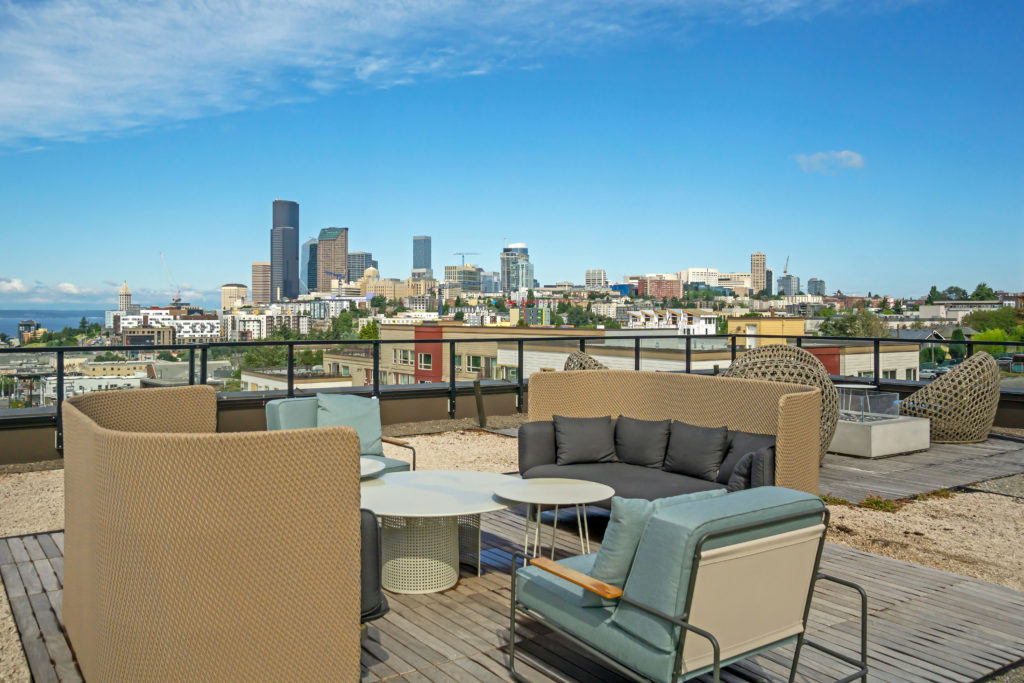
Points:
x=197 y=555
x=789 y=412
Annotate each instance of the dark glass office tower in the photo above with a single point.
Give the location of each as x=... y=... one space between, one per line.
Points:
x=284 y=251
x=421 y=252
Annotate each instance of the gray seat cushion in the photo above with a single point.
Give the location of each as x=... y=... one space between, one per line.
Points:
x=629 y=481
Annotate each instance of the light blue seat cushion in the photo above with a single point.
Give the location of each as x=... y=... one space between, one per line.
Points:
x=661 y=568
x=559 y=601
x=291 y=413
x=362 y=414
x=629 y=517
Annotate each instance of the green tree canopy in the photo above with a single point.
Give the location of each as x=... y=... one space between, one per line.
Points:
x=371 y=330
x=957 y=351
x=983 y=293
x=459 y=315
x=1004 y=318
x=859 y=323
x=933 y=295
x=168 y=356
x=108 y=357
x=954 y=293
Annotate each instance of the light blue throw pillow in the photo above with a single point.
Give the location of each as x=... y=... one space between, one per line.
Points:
x=629 y=518
x=362 y=414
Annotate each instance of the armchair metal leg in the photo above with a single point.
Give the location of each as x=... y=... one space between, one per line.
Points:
x=862 y=663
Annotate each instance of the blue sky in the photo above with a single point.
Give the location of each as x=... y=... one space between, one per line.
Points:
x=878 y=144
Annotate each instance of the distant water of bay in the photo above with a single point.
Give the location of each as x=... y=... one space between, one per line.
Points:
x=53 y=319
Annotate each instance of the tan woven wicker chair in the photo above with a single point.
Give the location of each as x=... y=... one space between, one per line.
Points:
x=961 y=404
x=783 y=363
x=578 y=360
x=193 y=555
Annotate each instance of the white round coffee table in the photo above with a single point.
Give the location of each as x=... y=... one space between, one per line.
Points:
x=537 y=493
x=369 y=467
x=430 y=519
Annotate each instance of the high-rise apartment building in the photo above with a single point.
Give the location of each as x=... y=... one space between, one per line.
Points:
x=261 y=282
x=332 y=258
x=816 y=287
x=788 y=285
x=595 y=279
x=757 y=272
x=284 y=250
x=307 y=265
x=232 y=294
x=357 y=262
x=769 y=282
x=490 y=282
x=421 y=252
x=466 y=277
x=512 y=273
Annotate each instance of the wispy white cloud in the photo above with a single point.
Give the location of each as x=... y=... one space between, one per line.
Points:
x=71 y=69
x=829 y=162
x=12 y=285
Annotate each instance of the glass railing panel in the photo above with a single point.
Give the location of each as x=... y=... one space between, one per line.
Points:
x=343 y=364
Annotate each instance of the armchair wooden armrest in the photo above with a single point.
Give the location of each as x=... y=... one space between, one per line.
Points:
x=393 y=442
x=605 y=590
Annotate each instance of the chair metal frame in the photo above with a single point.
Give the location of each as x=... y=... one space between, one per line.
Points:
x=520 y=559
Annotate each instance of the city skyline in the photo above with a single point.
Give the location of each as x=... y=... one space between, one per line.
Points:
x=692 y=136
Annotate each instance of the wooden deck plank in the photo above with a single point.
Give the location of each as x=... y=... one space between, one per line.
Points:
x=924 y=623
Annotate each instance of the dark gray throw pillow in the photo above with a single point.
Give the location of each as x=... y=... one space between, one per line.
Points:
x=739 y=480
x=584 y=439
x=696 y=451
x=641 y=442
x=741 y=443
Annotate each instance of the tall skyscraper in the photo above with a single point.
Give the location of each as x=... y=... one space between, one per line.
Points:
x=357 y=262
x=124 y=298
x=307 y=266
x=261 y=282
x=331 y=258
x=789 y=285
x=816 y=287
x=421 y=252
x=757 y=272
x=769 y=281
x=284 y=251
x=511 y=257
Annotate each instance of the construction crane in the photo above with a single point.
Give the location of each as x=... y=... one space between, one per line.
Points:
x=464 y=254
x=177 y=297
x=785 y=269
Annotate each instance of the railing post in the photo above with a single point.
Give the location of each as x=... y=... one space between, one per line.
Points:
x=636 y=353
x=583 y=345
x=970 y=349
x=799 y=342
x=291 y=370
x=375 y=346
x=60 y=401
x=689 y=339
x=878 y=362
x=451 y=379
x=192 y=365
x=519 y=375
x=732 y=348
x=202 y=364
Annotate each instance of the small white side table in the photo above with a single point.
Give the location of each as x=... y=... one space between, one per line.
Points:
x=537 y=493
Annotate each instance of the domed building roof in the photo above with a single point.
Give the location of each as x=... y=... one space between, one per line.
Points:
x=124 y=289
x=371 y=273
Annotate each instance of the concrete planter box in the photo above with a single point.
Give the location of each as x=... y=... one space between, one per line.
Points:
x=881 y=438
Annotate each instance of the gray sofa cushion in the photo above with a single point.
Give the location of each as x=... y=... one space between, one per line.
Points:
x=584 y=440
x=629 y=481
x=536 y=445
x=696 y=451
x=641 y=442
x=741 y=443
x=756 y=468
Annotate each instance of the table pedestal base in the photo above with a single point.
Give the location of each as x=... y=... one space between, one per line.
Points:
x=422 y=554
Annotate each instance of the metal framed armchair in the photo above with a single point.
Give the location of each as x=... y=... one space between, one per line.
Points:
x=712 y=582
x=302 y=412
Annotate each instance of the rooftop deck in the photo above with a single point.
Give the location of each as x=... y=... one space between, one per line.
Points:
x=925 y=624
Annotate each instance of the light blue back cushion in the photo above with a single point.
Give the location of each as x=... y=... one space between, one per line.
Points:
x=622 y=536
x=362 y=414
x=291 y=413
x=660 y=575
